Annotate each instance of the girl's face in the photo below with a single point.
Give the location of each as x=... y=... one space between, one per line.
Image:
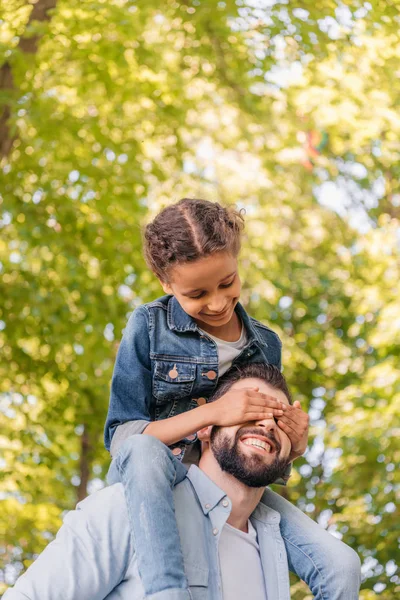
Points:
x=207 y=289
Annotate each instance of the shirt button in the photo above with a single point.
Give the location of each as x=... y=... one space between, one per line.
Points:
x=176 y=451
x=211 y=375
x=215 y=531
x=225 y=503
x=207 y=505
x=201 y=401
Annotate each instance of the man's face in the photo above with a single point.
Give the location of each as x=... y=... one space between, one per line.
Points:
x=255 y=453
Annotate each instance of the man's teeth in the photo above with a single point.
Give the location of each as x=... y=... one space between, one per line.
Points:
x=258 y=443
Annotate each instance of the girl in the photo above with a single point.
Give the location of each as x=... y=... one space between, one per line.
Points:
x=171 y=356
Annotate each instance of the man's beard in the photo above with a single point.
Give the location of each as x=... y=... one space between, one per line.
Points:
x=252 y=470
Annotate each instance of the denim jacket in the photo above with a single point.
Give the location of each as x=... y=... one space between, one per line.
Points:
x=166 y=366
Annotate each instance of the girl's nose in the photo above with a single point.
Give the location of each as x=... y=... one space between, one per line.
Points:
x=217 y=305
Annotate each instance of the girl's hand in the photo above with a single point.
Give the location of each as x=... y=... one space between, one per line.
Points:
x=244 y=405
x=294 y=423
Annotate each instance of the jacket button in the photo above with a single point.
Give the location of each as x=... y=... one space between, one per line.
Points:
x=211 y=375
x=201 y=401
x=173 y=373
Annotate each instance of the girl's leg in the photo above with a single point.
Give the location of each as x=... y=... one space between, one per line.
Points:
x=330 y=568
x=149 y=471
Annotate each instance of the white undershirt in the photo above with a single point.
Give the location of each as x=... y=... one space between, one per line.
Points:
x=228 y=351
x=240 y=563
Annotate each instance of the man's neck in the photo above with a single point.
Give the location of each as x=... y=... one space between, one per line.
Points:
x=244 y=499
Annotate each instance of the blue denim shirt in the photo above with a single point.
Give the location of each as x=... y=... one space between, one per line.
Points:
x=165 y=364
x=93 y=556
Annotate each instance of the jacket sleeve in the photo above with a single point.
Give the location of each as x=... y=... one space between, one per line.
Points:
x=88 y=558
x=131 y=385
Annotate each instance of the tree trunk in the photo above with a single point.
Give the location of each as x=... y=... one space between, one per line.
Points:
x=84 y=465
x=27 y=45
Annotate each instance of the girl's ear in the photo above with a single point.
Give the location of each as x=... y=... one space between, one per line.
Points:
x=204 y=434
x=166 y=287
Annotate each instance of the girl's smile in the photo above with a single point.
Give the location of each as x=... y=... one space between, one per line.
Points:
x=208 y=290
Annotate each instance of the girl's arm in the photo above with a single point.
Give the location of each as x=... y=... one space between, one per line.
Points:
x=233 y=408
x=172 y=430
x=131 y=398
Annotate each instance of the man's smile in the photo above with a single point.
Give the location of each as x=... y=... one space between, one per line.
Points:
x=261 y=443
x=257 y=443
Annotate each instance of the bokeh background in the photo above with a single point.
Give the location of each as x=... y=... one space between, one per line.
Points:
x=112 y=109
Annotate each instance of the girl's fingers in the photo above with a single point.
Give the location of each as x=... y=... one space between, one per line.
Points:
x=283 y=425
x=256 y=416
x=297 y=428
x=264 y=400
x=289 y=420
x=296 y=417
x=275 y=412
x=265 y=415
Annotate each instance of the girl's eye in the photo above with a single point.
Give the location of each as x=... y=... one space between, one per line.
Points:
x=226 y=285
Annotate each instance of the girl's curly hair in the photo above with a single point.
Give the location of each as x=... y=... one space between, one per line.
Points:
x=188 y=230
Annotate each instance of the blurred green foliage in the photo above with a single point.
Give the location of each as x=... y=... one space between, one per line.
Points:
x=288 y=110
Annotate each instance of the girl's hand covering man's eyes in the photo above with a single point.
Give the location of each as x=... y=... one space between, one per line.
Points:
x=294 y=422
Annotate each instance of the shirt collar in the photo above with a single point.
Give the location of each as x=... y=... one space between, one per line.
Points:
x=208 y=493
x=179 y=320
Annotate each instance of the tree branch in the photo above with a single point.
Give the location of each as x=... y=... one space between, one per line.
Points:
x=27 y=45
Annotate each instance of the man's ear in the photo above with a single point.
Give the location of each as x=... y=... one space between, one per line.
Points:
x=204 y=434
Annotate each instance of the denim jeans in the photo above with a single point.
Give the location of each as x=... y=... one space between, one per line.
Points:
x=149 y=471
x=330 y=568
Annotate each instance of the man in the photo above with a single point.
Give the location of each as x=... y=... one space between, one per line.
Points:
x=232 y=544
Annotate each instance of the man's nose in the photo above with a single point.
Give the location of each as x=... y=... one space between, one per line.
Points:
x=267 y=424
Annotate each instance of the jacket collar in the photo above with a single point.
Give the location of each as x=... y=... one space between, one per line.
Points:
x=251 y=330
x=179 y=320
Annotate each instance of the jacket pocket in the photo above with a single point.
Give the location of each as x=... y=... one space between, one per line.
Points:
x=173 y=380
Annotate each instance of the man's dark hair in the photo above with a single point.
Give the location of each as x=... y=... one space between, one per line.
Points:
x=268 y=373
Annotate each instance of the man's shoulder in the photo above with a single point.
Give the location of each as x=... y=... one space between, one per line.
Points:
x=109 y=504
x=101 y=512
x=104 y=499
